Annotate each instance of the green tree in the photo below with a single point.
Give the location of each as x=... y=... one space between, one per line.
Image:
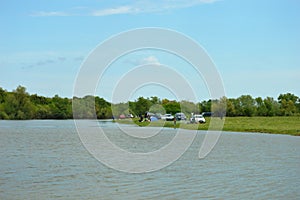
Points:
x=120 y=108
x=288 y=104
x=142 y=105
x=155 y=100
x=39 y=100
x=103 y=108
x=230 y=108
x=10 y=106
x=3 y=115
x=219 y=107
x=247 y=105
x=2 y=95
x=17 y=104
x=172 y=107
x=188 y=107
x=42 y=112
x=83 y=108
x=164 y=101
x=157 y=108
x=261 y=109
x=61 y=108
x=205 y=106
x=288 y=97
x=272 y=106
x=287 y=107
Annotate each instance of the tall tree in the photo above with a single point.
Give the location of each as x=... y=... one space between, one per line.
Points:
x=206 y=106
x=103 y=108
x=18 y=105
x=261 y=109
x=61 y=108
x=142 y=105
x=2 y=95
x=247 y=104
x=219 y=107
x=288 y=104
x=230 y=108
x=188 y=107
x=288 y=97
x=272 y=106
x=172 y=107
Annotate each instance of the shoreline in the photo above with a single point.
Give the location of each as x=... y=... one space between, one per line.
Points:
x=267 y=125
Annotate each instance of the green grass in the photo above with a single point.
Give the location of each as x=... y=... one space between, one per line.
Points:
x=274 y=125
x=277 y=125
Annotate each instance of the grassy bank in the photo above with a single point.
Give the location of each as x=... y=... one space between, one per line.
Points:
x=274 y=125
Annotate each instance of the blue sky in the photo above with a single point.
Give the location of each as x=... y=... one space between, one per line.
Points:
x=254 y=44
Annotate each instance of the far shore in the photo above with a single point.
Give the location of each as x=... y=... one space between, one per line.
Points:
x=272 y=125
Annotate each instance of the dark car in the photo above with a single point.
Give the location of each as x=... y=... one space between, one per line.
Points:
x=207 y=114
x=180 y=116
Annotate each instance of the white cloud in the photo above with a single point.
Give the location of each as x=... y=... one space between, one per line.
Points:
x=133 y=7
x=150 y=6
x=143 y=61
x=113 y=11
x=150 y=60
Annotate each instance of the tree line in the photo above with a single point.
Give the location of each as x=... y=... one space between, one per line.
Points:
x=19 y=104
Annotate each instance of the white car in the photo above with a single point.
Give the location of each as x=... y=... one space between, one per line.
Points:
x=167 y=117
x=197 y=119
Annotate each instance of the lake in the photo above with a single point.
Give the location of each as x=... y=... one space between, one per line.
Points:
x=46 y=160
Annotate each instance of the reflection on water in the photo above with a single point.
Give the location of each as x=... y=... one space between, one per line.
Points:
x=46 y=160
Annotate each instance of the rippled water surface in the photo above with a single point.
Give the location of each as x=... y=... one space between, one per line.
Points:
x=46 y=160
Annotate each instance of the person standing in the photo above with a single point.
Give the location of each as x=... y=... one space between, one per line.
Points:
x=174 y=122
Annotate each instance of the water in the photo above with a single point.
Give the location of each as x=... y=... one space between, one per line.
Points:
x=46 y=160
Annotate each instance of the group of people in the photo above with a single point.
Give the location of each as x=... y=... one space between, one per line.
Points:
x=146 y=117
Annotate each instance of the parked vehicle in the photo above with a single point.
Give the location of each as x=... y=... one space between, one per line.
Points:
x=180 y=116
x=167 y=117
x=207 y=114
x=122 y=116
x=130 y=116
x=197 y=119
x=158 y=115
